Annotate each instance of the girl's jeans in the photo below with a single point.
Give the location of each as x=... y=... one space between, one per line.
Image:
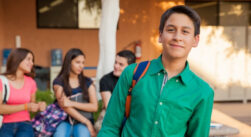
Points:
x=17 y=129
x=65 y=129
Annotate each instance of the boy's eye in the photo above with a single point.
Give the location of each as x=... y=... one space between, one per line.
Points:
x=170 y=30
x=186 y=32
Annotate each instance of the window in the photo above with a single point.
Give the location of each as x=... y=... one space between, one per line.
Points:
x=67 y=14
x=222 y=12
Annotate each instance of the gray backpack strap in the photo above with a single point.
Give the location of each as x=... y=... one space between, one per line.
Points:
x=6 y=89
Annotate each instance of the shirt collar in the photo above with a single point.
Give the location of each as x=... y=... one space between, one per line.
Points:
x=186 y=74
x=157 y=66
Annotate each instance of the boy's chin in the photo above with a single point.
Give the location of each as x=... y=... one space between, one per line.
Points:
x=117 y=74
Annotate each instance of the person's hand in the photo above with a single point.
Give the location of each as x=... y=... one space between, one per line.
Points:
x=42 y=106
x=32 y=107
x=91 y=129
x=65 y=102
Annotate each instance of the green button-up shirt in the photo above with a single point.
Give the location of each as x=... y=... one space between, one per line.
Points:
x=182 y=107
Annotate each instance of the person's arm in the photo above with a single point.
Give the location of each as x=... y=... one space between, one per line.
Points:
x=106 y=95
x=41 y=105
x=116 y=108
x=33 y=97
x=70 y=110
x=9 y=109
x=92 y=105
x=199 y=124
x=105 y=90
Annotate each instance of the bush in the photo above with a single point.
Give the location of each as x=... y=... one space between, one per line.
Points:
x=46 y=96
x=96 y=114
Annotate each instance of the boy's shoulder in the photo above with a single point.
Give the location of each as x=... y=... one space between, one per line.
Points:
x=202 y=85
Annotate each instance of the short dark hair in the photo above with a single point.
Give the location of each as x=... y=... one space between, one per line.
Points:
x=129 y=55
x=193 y=15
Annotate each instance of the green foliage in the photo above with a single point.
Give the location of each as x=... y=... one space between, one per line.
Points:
x=46 y=96
x=96 y=114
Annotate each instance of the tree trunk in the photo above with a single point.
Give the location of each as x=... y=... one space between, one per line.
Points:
x=107 y=37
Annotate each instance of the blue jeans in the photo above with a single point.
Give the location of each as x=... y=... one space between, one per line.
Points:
x=17 y=129
x=65 y=129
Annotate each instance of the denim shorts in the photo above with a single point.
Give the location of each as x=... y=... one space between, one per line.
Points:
x=17 y=129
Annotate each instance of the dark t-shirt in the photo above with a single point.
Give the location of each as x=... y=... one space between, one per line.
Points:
x=108 y=82
x=76 y=90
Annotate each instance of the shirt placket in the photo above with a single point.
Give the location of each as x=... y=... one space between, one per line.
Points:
x=156 y=121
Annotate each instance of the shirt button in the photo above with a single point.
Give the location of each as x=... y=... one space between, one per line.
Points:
x=160 y=103
x=158 y=74
x=177 y=80
x=156 y=122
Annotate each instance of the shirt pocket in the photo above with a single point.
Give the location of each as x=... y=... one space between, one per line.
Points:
x=177 y=116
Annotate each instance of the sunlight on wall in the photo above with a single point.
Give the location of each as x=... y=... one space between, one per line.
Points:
x=155 y=41
x=88 y=19
x=221 y=59
x=164 y=5
x=235 y=10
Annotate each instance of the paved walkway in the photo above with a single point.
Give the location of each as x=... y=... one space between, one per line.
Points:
x=237 y=115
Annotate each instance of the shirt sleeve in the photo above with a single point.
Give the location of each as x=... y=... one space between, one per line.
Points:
x=199 y=124
x=116 y=107
x=33 y=86
x=59 y=82
x=88 y=82
x=104 y=85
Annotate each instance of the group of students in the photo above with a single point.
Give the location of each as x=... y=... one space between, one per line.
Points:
x=170 y=100
x=71 y=80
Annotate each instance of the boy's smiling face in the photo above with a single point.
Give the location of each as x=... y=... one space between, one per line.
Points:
x=178 y=37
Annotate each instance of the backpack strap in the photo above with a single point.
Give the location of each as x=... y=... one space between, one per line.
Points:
x=138 y=73
x=6 y=89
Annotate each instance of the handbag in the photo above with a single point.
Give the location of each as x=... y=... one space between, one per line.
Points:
x=46 y=122
x=5 y=94
x=79 y=98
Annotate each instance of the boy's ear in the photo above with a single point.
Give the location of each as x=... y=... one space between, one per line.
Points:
x=160 y=39
x=196 y=40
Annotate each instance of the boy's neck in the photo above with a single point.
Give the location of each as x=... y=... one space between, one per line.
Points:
x=172 y=66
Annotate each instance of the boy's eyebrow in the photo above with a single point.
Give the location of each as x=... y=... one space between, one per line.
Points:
x=186 y=27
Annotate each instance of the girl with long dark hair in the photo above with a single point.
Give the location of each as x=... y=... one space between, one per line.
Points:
x=70 y=82
x=19 y=73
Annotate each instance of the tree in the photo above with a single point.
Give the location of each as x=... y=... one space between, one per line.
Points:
x=107 y=37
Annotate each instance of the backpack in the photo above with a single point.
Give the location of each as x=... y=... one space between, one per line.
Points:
x=138 y=73
x=5 y=94
x=46 y=122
